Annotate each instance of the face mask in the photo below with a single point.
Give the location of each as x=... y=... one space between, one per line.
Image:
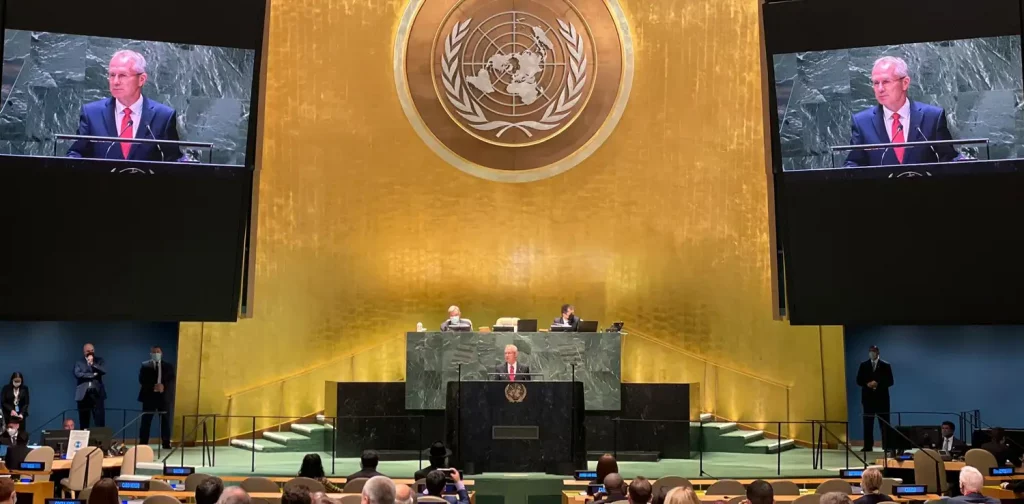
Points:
x=12 y=432
x=156 y=357
x=873 y=355
x=455 y=320
x=17 y=383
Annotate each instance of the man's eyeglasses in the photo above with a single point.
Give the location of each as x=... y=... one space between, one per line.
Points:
x=121 y=76
x=885 y=83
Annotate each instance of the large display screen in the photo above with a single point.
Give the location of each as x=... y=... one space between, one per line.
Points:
x=966 y=90
x=64 y=84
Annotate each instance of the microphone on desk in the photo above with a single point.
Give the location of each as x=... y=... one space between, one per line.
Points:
x=127 y=126
x=932 y=147
x=899 y=128
x=157 y=145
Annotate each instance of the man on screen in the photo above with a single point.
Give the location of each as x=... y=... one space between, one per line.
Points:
x=127 y=114
x=898 y=119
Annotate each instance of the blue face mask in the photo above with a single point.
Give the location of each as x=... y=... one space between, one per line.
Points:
x=156 y=356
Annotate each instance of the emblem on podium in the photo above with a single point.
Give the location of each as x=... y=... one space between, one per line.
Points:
x=513 y=90
x=515 y=392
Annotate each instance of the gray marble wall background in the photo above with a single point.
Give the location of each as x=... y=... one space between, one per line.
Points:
x=432 y=360
x=978 y=82
x=47 y=77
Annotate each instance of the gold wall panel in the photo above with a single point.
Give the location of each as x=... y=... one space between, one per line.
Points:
x=363 y=231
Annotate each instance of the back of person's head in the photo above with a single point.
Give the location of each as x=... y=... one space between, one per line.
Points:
x=311 y=467
x=104 y=492
x=871 y=480
x=836 y=498
x=659 y=495
x=235 y=495
x=322 y=498
x=760 y=492
x=6 y=490
x=971 y=480
x=369 y=460
x=605 y=466
x=682 y=495
x=379 y=490
x=640 y=490
x=404 y=495
x=997 y=434
x=614 y=483
x=297 y=494
x=438 y=454
x=209 y=490
x=435 y=483
x=1018 y=489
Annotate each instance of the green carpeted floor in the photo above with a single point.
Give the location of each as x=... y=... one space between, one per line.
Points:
x=531 y=488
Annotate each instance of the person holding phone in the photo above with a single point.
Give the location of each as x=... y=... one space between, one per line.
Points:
x=436 y=481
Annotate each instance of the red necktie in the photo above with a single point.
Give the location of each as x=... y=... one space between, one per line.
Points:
x=897 y=136
x=511 y=373
x=126 y=132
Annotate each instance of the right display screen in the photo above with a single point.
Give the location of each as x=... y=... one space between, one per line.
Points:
x=839 y=108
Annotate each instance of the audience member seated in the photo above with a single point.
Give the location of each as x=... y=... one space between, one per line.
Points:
x=605 y=465
x=438 y=459
x=296 y=494
x=235 y=495
x=950 y=443
x=378 y=490
x=835 y=498
x=69 y=424
x=639 y=491
x=404 y=495
x=104 y=492
x=13 y=435
x=659 y=495
x=997 y=447
x=321 y=498
x=7 y=491
x=615 y=490
x=435 y=487
x=760 y=492
x=971 y=482
x=368 y=464
x=313 y=468
x=209 y=491
x=871 y=484
x=682 y=495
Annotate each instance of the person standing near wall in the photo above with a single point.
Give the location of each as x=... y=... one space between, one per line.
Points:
x=156 y=393
x=90 y=392
x=14 y=398
x=874 y=378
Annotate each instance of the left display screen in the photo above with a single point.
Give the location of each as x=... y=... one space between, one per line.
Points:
x=179 y=102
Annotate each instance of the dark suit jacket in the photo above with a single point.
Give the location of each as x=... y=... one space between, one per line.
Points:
x=464 y=325
x=958 y=445
x=366 y=473
x=612 y=497
x=574 y=321
x=90 y=377
x=878 y=399
x=974 y=498
x=147 y=380
x=869 y=128
x=7 y=400
x=1003 y=453
x=501 y=371
x=872 y=499
x=158 y=121
x=5 y=439
x=422 y=473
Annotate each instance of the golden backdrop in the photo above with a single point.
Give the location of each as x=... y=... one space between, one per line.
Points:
x=363 y=231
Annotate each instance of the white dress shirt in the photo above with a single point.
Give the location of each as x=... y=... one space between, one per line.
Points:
x=136 y=109
x=512 y=368
x=904 y=112
x=947 y=444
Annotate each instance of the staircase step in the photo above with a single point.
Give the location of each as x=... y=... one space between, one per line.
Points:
x=722 y=427
x=748 y=435
x=310 y=429
x=261 y=445
x=771 y=445
x=289 y=439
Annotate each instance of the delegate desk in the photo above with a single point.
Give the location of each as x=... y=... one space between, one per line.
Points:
x=951 y=466
x=38 y=490
x=698 y=484
x=270 y=496
x=281 y=480
x=574 y=497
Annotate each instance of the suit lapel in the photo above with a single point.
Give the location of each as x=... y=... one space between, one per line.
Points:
x=143 y=132
x=109 y=122
x=916 y=120
x=879 y=121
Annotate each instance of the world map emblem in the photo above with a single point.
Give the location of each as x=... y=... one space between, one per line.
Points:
x=513 y=90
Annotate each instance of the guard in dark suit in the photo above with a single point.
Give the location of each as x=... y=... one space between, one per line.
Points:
x=874 y=378
x=511 y=370
x=997 y=447
x=13 y=435
x=90 y=392
x=949 y=442
x=568 y=317
x=156 y=393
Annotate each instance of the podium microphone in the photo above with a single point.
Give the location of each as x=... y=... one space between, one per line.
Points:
x=932 y=147
x=162 y=159
x=129 y=125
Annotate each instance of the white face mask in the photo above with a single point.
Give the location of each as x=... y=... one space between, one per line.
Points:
x=156 y=356
x=17 y=383
x=455 y=319
x=12 y=432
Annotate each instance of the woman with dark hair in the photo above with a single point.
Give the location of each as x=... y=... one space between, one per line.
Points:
x=313 y=468
x=104 y=492
x=14 y=399
x=605 y=466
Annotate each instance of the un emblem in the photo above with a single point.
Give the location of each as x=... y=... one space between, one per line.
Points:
x=513 y=90
x=515 y=392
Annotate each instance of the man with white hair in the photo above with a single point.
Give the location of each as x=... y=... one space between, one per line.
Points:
x=455 y=321
x=404 y=495
x=511 y=369
x=898 y=119
x=127 y=114
x=971 y=483
x=379 y=490
x=234 y=495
